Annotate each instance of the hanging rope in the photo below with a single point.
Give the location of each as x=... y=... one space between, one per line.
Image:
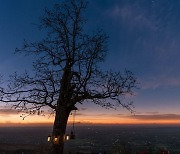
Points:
x=72 y=135
x=74 y=116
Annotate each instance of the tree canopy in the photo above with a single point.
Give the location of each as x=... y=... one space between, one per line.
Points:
x=67 y=66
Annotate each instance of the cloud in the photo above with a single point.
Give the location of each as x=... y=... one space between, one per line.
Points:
x=83 y=109
x=156 y=117
x=132 y=16
x=159 y=81
x=91 y=115
x=8 y=111
x=152 y=112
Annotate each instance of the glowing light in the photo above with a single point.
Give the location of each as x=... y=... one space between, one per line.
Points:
x=56 y=140
x=49 y=138
x=67 y=137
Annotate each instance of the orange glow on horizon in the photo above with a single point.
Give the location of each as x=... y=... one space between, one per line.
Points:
x=15 y=120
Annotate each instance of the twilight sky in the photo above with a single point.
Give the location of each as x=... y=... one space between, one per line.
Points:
x=144 y=37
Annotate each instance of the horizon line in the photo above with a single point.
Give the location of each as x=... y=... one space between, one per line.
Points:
x=90 y=124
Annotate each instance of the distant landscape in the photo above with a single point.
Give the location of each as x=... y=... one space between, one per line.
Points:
x=96 y=139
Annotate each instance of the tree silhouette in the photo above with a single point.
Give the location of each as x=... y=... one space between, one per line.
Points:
x=66 y=71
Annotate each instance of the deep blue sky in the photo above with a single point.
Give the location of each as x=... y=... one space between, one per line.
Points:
x=144 y=37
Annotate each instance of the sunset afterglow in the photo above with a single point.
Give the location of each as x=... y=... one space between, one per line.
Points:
x=92 y=119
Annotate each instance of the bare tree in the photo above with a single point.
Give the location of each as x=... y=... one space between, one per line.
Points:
x=66 y=71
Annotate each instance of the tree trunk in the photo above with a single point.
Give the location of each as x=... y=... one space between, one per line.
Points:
x=59 y=130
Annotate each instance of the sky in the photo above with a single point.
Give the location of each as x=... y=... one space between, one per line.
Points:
x=144 y=37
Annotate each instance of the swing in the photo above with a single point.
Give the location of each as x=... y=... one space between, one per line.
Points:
x=68 y=136
x=72 y=134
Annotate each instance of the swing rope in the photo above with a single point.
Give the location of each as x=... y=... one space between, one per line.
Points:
x=74 y=120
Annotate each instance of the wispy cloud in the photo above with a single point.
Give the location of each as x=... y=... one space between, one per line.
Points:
x=83 y=109
x=132 y=16
x=156 y=117
x=159 y=81
x=152 y=112
x=8 y=111
x=90 y=115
